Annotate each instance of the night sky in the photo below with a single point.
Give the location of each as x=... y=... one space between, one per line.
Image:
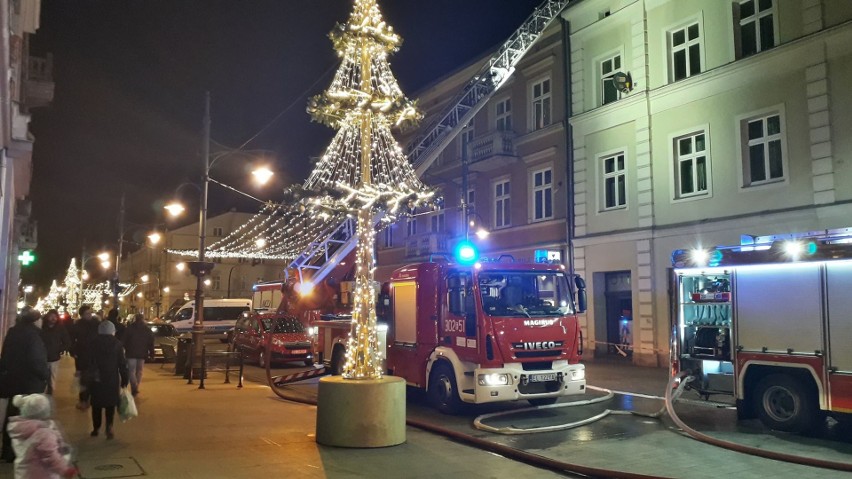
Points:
x=130 y=80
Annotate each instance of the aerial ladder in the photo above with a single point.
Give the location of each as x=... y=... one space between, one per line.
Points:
x=323 y=255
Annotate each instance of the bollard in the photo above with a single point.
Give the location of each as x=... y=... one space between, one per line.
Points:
x=240 y=383
x=203 y=367
x=228 y=365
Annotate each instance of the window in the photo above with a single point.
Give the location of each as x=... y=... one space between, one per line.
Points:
x=541 y=104
x=412 y=226
x=609 y=67
x=437 y=222
x=217 y=282
x=471 y=199
x=389 y=236
x=504 y=115
x=763 y=159
x=757 y=26
x=542 y=194
x=691 y=165
x=217 y=231
x=685 y=52
x=614 y=181
x=502 y=204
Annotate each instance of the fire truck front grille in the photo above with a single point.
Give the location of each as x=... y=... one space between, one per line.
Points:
x=537 y=366
x=297 y=345
x=536 y=354
x=538 y=388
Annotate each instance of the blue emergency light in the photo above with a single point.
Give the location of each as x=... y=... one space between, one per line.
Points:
x=466 y=252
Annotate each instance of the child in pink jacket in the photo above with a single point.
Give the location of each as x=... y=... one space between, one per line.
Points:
x=40 y=451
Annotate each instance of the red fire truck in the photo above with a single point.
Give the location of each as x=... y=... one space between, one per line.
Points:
x=489 y=332
x=768 y=323
x=493 y=331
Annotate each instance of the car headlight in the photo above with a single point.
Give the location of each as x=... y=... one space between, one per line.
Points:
x=578 y=374
x=493 y=379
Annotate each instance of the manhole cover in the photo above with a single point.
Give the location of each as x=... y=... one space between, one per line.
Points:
x=109 y=468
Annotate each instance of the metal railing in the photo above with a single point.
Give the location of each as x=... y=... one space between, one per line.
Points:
x=224 y=361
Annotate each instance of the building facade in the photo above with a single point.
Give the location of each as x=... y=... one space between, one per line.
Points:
x=163 y=277
x=26 y=83
x=515 y=180
x=735 y=124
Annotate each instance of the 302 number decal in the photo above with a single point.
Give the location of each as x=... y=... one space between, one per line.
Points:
x=454 y=326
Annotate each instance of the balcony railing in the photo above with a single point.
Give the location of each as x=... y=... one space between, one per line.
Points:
x=424 y=245
x=494 y=143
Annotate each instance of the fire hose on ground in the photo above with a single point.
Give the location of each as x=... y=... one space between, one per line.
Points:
x=672 y=394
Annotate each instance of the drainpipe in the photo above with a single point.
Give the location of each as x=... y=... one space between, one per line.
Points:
x=569 y=143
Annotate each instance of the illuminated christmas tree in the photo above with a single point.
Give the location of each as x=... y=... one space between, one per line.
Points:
x=73 y=293
x=364 y=165
x=51 y=301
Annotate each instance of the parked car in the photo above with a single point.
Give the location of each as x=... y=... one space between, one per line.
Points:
x=290 y=340
x=164 y=335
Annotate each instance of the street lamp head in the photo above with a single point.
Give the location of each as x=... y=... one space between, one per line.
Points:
x=84 y=275
x=105 y=264
x=207 y=282
x=166 y=289
x=180 y=266
x=262 y=175
x=155 y=237
x=174 y=208
x=145 y=278
x=104 y=256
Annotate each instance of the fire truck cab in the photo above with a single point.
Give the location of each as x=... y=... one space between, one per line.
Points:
x=768 y=323
x=494 y=331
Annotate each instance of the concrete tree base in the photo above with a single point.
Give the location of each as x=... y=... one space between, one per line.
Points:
x=361 y=413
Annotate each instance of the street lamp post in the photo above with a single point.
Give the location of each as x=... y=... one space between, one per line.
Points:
x=146 y=278
x=201 y=267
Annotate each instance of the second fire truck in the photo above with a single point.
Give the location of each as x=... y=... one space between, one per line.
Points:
x=769 y=323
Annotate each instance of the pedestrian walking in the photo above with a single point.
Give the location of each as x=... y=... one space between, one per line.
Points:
x=41 y=451
x=84 y=332
x=138 y=346
x=56 y=341
x=113 y=318
x=110 y=377
x=23 y=368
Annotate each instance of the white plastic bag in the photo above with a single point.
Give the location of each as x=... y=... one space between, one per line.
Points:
x=126 y=406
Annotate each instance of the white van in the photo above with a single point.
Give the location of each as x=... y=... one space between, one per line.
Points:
x=220 y=315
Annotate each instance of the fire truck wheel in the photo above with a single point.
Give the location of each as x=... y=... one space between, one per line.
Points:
x=542 y=401
x=443 y=392
x=785 y=404
x=337 y=362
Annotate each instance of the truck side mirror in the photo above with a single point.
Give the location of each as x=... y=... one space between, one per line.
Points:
x=581 y=294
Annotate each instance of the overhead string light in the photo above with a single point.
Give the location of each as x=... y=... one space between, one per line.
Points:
x=334 y=191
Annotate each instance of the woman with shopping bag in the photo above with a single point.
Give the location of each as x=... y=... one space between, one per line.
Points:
x=111 y=377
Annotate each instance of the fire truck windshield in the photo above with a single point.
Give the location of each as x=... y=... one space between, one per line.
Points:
x=525 y=293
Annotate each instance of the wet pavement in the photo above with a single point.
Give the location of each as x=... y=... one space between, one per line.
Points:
x=632 y=443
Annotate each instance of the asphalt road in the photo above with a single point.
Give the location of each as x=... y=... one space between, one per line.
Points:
x=635 y=443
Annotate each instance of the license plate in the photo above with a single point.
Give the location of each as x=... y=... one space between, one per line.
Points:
x=299 y=351
x=541 y=378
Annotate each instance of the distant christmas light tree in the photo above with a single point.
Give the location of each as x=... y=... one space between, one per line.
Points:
x=363 y=163
x=73 y=292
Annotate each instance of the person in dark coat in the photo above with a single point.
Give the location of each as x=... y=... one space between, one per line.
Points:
x=138 y=346
x=108 y=359
x=84 y=332
x=56 y=341
x=23 y=368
